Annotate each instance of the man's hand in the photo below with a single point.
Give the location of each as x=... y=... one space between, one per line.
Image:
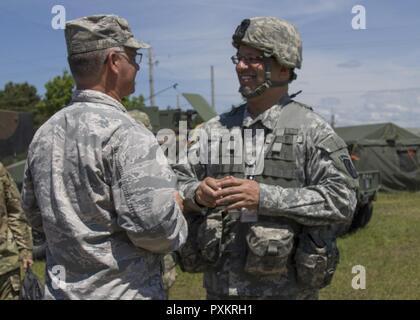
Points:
x=206 y=193
x=179 y=200
x=27 y=263
x=26 y=259
x=238 y=193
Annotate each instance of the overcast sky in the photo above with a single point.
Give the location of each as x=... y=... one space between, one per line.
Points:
x=362 y=76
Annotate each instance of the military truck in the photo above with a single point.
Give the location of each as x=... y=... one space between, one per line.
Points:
x=169 y=118
x=369 y=184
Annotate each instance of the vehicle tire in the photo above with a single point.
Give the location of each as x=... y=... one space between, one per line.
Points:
x=361 y=217
x=366 y=214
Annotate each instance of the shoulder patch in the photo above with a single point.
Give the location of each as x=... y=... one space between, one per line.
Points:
x=348 y=164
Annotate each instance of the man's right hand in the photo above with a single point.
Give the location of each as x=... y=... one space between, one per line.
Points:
x=205 y=195
x=179 y=200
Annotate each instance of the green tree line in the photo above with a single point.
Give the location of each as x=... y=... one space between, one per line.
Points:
x=23 y=97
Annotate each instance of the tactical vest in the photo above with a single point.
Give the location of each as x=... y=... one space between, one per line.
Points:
x=280 y=166
x=225 y=237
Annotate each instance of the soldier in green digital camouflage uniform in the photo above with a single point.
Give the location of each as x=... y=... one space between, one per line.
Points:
x=15 y=237
x=141 y=117
x=267 y=211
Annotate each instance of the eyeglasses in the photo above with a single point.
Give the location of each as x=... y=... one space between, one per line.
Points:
x=248 y=60
x=137 y=58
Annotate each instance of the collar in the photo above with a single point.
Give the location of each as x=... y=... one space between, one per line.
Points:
x=269 y=117
x=94 y=96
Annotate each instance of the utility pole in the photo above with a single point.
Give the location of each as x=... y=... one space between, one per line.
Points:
x=212 y=87
x=177 y=101
x=151 y=83
x=332 y=121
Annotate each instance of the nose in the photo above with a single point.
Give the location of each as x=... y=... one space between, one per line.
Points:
x=241 y=65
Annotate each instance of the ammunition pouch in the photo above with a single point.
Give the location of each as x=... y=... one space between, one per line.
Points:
x=209 y=238
x=269 y=247
x=188 y=256
x=316 y=260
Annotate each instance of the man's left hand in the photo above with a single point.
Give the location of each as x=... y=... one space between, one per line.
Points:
x=25 y=258
x=27 y=263
x=238 y=193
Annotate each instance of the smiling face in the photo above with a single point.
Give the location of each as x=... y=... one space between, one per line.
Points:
x=250 y=68
x=251 y=71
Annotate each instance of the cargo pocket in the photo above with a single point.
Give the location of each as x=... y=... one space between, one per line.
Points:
x=209 y=237
x=15 y=282
x=188 y=256
x=280 y=160
x=316 y=261
x=269 y=246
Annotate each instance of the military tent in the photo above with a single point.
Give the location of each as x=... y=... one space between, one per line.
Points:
x=388 y=148
x=416 y=131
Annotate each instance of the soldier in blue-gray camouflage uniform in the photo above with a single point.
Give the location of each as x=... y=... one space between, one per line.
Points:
x=97 y=182
x=169 y=264
x=266 y=225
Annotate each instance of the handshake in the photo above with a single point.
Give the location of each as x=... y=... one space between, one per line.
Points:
x=234 y=193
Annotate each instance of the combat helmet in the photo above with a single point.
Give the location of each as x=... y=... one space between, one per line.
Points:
x=277 y=39
x=141 y=117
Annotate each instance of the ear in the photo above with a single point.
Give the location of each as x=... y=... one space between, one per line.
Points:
x=284 y=70
x=281 y=72
x=113 y=61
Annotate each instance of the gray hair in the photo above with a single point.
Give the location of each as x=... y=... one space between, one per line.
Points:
x=88 y=65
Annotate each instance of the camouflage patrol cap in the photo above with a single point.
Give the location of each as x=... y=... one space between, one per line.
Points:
x=99 y=32
x=275 y=37
x=141 y=117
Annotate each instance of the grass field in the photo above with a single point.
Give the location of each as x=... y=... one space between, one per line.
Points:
x=388 y=248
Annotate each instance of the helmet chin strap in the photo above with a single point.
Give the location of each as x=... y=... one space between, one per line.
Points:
x=268 y=83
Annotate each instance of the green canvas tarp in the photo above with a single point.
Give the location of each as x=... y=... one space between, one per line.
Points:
x=388 y=148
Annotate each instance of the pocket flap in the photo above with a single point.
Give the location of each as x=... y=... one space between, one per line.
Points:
x=332 y=144
x=269 y=239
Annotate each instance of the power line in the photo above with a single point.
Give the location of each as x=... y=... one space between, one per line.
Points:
x=163 y=90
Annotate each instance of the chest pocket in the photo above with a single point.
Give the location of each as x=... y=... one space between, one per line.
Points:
x=226 y=158
x=280 y=159
x=279 y=162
